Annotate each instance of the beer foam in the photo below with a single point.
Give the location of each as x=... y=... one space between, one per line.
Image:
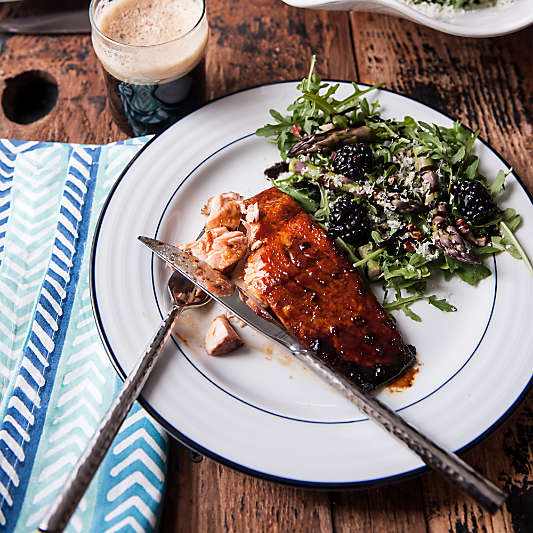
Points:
x=169 y=40
x=148 y=22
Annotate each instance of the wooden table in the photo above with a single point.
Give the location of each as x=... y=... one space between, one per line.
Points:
x=487 y=84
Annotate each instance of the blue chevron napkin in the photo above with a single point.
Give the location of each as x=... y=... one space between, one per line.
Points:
x=55 y=378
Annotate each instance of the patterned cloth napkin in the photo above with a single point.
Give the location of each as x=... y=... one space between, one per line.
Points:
x=56 y=381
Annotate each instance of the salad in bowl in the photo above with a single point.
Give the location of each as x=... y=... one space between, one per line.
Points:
x=465 y=18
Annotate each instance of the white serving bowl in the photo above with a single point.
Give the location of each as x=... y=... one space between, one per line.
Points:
x=481 y=22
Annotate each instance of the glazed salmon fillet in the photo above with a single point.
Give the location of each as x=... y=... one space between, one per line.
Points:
x=298 y=272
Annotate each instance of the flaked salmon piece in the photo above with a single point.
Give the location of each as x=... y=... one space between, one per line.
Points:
x=314 y=291
x=221 y=338
x=251 y=213
x=223 y=210
x=219 y=248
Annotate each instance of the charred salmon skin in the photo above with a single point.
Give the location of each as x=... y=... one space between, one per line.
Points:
x=297 y=271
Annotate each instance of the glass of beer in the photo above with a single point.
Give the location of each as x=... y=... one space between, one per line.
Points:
x=152 y=54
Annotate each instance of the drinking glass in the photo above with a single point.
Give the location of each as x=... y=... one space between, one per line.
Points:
x=150 y=86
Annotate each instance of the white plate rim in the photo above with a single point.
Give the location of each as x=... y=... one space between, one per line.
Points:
x=198 y=448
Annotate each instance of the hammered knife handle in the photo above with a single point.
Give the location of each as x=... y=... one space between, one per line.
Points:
x=67 y=500
x=225 y=292
x=483 y=491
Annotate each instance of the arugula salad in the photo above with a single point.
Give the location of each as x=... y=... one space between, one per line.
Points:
x=404 y=199
x=458 y=4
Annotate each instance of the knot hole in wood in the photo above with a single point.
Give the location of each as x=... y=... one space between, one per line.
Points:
x=29 y=96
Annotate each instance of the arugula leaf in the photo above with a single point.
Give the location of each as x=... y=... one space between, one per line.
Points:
x=458 y=156
x=323 y=212
x=498 y=184
x=368 y=257
x=510 y=237
x=441 y=304
x=303 y=196
x=403 y=304
x=472 y=274
x=417 y=260
x=411 y=314
x=471 y=170
x=270 y=130
x=350 y=251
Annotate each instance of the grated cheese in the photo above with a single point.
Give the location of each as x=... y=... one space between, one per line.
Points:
x=432 y=9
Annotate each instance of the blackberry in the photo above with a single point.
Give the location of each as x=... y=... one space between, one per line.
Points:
x=474 y=202
x=349 y=221
x=353 y=160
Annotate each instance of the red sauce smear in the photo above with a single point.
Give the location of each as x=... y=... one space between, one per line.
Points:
x=405 y=381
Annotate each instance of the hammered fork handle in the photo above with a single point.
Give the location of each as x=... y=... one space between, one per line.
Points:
x=67 y=500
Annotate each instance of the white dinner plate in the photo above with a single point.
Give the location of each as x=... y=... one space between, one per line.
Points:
x=256 y=409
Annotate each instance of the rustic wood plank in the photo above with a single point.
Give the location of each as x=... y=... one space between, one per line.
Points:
x=264 y=41
x=208 y=497
x=393 y=509
x=80 y=114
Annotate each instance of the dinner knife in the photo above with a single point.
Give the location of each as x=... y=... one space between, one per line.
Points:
x=63 y=22
x=225 y=292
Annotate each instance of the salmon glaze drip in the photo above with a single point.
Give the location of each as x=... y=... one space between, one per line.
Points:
x=318 y=296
